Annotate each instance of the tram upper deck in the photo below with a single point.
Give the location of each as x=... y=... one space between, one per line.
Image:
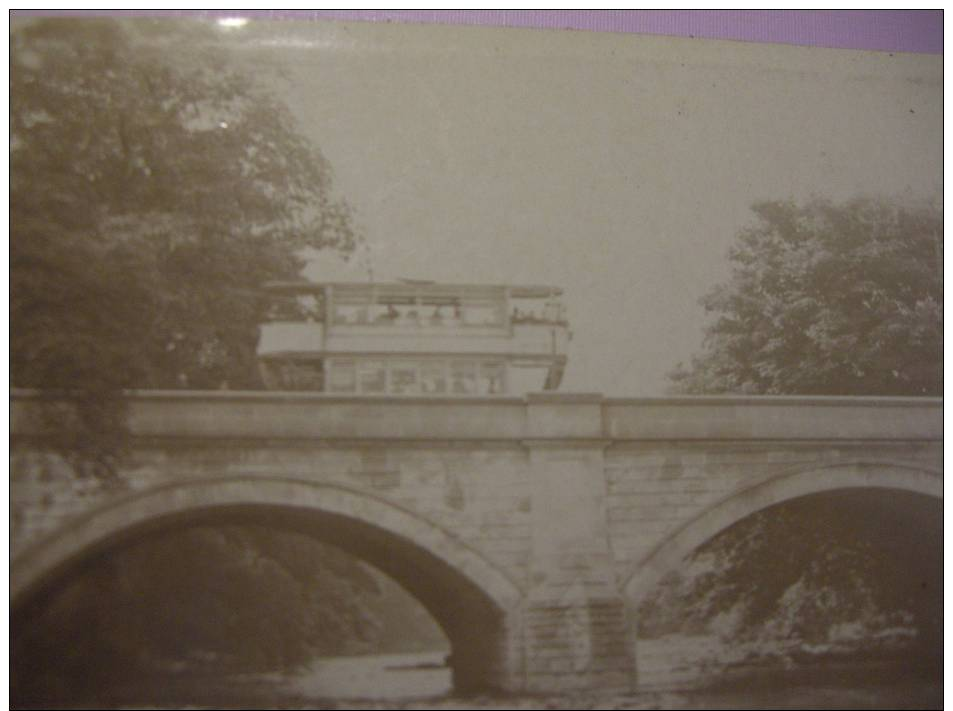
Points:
x=417 y=338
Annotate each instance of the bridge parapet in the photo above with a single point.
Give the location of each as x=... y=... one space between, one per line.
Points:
x=564 y=416
x=774 y=418
x=570 y=499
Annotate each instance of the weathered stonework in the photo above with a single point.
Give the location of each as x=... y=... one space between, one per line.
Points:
x=530 y=528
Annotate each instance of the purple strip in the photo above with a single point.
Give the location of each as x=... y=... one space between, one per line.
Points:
x=886 y=30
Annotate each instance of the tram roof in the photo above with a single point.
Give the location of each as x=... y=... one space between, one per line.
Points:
x=533 y=291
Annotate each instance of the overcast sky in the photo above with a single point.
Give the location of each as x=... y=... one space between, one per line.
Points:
x=618 y=167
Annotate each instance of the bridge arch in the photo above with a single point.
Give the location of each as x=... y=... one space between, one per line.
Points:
x=472 y=600
x=668 y=554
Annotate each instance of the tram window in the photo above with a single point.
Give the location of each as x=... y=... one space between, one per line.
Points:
x=462 y=377
x=407 y=314
x=310 y=307
x=285 y=308
x=527 y=311
x=390 y=313
x=391 y=308
x=488 y=314
x=491 y=379
x=342 y=379
x=433 y=377
x=372 y=376
x=403 y=378
x=351 y=308
x=454 y=314
x=296 y=376
x=383 y=313
x=309 y=376
x=350 y=313
x=438 y=315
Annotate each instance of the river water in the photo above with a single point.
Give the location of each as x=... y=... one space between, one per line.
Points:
x=672 y=672
x=387 y=676
x=666 y=664
x=671 y=678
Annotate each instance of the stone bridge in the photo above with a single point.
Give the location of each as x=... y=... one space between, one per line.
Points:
x=530 y=528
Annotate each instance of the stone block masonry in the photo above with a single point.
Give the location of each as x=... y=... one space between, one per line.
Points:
x=530 y=528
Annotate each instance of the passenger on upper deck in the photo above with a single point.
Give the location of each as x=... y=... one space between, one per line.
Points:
x=440 y=338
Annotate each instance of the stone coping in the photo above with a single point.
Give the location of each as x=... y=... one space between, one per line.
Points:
x=256 y=416
x=542 y=397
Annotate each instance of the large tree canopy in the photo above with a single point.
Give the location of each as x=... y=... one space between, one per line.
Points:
x=825 y=298
x=828 y=299
x=153 y=188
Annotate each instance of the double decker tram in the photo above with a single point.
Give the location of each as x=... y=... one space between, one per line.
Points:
x=413 y=338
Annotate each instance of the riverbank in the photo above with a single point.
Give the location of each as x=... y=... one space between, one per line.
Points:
x=912 y=694
x=420 y=681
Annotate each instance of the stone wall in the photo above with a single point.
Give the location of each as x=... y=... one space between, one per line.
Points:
x=552 y=512
x=654 y=489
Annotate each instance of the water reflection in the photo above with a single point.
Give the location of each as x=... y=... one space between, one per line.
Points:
x=390 y=676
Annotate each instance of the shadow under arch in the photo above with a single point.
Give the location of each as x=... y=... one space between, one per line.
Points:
x=668 y=554
x=468 y=597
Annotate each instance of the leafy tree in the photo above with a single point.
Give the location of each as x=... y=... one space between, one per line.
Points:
x=153 y=188
x=828 y=299
x=825 y=298
x=194 y=607
x=195 y=603
x=805 y=570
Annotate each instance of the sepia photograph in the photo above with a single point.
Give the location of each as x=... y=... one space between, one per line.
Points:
x=443 y=366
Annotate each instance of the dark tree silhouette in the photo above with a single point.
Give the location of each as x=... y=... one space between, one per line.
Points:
x=153 y=187
x=193 y=604
x=847 y=572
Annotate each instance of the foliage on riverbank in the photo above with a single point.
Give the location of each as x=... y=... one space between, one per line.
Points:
x=832 y=575
x=206 y=602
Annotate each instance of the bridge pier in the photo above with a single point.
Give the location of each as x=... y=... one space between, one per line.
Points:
x=577 y=644
x=574 y=620
x=530 y=529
